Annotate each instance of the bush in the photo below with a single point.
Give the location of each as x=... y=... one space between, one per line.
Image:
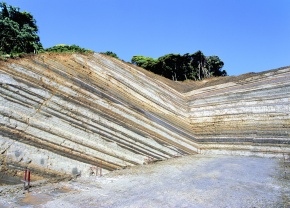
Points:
x=110 y=53
x=63 y=48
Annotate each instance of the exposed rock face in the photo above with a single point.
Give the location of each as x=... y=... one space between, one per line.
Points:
x=249 y=114
x=67 y=113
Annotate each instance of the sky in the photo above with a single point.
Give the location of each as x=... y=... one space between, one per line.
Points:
x=247 y=35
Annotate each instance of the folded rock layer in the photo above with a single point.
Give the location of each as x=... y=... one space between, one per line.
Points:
x=72 y=113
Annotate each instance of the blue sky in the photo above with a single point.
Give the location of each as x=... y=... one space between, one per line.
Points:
x=248 y=35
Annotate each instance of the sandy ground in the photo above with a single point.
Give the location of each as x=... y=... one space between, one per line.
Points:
x=191 y=181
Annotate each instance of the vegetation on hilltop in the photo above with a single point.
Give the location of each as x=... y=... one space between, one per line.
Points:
x=18 y=31
x=110 y=53
x=178 y=67
x=18 y=35
x=63 y=48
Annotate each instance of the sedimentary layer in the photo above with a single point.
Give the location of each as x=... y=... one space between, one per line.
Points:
x=70 y=113
x=248 y=114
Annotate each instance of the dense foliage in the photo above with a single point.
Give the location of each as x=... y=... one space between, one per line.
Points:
x=18 y=31
x=63 y=48
x=18 y=34
x=194 y=66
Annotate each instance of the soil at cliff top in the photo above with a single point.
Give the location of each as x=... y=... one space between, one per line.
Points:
x=191 y=181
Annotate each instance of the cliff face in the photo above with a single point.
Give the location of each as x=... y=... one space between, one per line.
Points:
x=248 y=114
x=67 y=113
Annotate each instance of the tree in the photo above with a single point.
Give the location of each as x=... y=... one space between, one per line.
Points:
x=214 y=64
x=18 y=31
x=199 y=65
x=171 y=66
x=144 y=62
x=194 y=66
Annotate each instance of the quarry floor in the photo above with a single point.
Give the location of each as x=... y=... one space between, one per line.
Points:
x=189 y=181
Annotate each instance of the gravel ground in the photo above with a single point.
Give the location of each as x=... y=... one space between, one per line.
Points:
x=191 y=181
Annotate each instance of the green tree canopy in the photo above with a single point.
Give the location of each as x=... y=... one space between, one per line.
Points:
x=144 y=62
x=18 y=31
x=194 y=66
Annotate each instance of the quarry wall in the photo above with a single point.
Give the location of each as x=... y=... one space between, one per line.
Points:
x=69 y=113
x=249 y=116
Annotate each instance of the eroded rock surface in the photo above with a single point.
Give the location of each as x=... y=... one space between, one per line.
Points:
x=67 y=114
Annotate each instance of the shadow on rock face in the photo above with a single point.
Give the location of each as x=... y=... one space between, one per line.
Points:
x=76 y=172
x=17 y=153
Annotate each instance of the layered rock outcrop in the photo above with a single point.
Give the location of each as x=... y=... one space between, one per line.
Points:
x=68 y=113
x=248 y=115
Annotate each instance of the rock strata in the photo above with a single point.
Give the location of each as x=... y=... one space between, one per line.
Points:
x=69 y=114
